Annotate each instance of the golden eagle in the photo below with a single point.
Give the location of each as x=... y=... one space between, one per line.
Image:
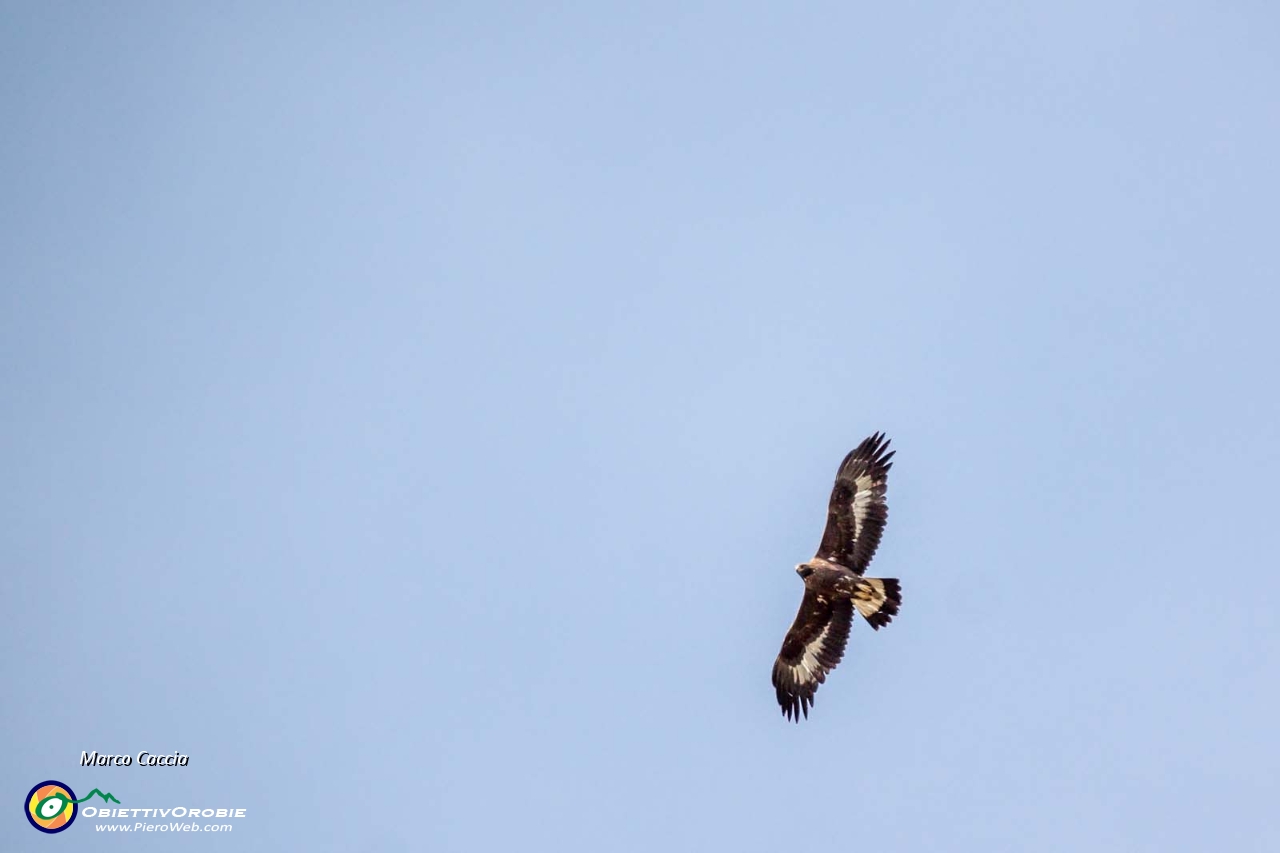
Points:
x=833 y=581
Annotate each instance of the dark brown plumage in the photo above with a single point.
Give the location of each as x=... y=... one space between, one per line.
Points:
x=834 y=586
x=856 y=515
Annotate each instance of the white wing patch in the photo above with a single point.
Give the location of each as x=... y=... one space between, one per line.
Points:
x=857 y=512
x=809 y=668
x=862 y=499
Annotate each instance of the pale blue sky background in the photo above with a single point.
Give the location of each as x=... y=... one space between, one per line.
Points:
x=413 y=413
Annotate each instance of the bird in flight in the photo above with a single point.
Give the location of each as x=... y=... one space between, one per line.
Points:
x=833 y=583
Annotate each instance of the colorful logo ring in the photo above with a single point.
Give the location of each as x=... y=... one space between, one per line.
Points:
x=51 y=806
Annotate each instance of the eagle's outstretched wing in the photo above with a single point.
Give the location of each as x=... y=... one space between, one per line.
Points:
x=812 y=648
x=857 y=512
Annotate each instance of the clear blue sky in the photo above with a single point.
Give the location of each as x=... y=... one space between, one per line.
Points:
x=413 y=413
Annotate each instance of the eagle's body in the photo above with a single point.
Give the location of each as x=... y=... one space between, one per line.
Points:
x=833 y=583
x=831 y=580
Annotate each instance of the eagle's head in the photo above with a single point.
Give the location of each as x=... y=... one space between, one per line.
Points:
x=804 y=570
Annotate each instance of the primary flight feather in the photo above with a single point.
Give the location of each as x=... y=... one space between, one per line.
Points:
x=833 y=583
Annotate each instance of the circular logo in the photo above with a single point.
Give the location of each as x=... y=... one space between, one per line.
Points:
x=51 y=806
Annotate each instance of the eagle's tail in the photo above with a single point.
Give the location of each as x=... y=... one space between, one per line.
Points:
x=877 y=599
